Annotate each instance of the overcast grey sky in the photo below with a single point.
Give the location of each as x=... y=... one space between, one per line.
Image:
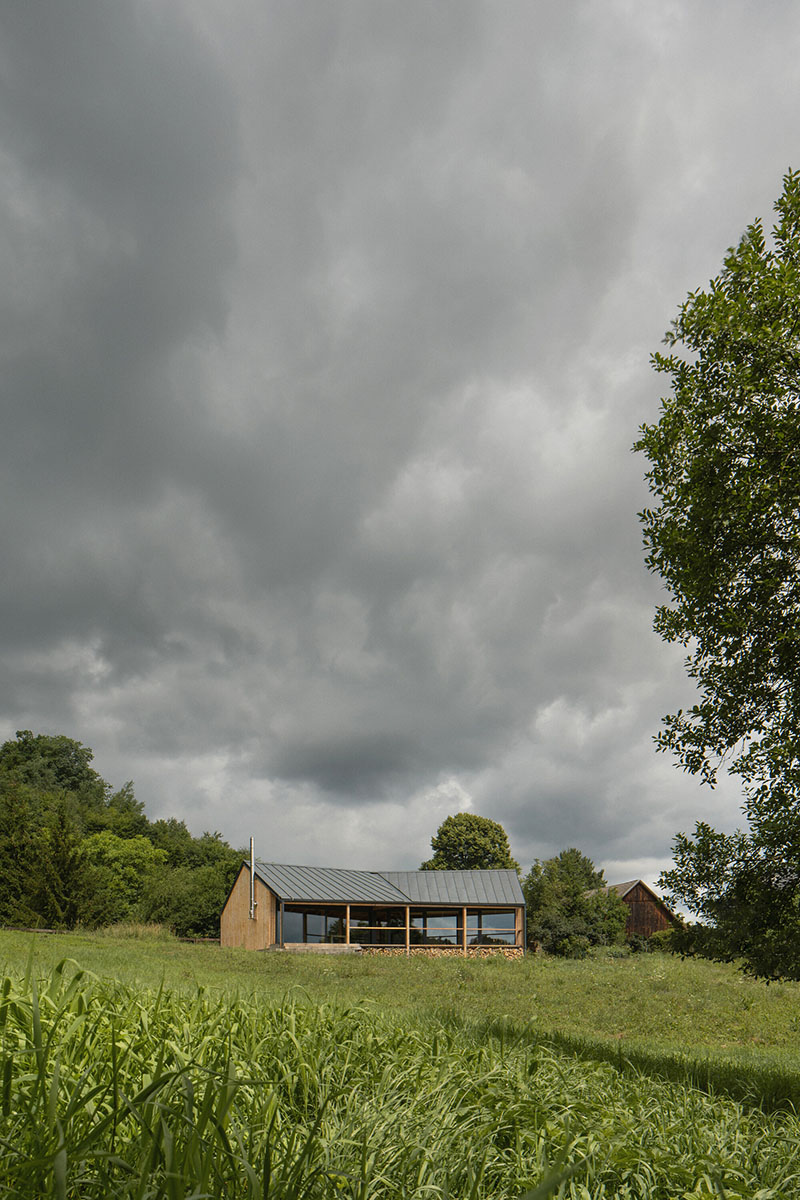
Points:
x=325 y=330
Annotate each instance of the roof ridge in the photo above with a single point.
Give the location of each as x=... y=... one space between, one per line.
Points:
x=311 y=867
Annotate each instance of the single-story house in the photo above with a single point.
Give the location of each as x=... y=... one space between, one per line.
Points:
x=647 y=912
x=469 y=913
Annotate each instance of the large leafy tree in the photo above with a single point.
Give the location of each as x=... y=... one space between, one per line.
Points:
x=67 y=889
x=21 y=834
x=748 y=904
x=725 y=538
x=568 y=908
x=467 y=842
x=74 y=852
x=126 y=870
x=188 y=899
x=52 y=763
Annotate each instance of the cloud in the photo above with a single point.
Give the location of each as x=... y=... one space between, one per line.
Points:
x=325 y=340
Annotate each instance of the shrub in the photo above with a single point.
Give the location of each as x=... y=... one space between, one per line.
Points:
x=663 y=940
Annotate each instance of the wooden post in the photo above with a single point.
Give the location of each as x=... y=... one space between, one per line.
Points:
x=347 y=925
x=464 y=931
x=408 y=930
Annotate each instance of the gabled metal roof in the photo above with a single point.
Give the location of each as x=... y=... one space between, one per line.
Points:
x=328 y=884
x=458 y=887
x=296 y=884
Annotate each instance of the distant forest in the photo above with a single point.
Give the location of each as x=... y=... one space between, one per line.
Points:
x=75 y=852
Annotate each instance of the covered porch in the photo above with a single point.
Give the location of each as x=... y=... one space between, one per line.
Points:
x=401 y=928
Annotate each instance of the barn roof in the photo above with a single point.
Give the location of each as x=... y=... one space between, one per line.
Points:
x=622 y=889
x=297 y=884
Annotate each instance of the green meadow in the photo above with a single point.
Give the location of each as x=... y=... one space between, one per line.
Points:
x=142 y=1067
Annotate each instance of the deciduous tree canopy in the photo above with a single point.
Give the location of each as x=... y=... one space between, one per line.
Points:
x=76 y=853
x=725 y=538
x=467 y=842
x=567 y=909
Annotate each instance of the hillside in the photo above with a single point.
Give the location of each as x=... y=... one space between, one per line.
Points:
x=158 y=1069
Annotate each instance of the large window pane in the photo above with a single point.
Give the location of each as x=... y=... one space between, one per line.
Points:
x=477 y=920
x=442 y=921
x=433 y=927
x=492 y=937
x=292 y=926
x=390 y=918
x=379 y=937
x=496 y=920
x=313 y=924
x=334 y=929
x=378 y=918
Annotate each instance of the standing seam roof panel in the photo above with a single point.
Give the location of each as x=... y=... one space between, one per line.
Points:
x=336 y=885
x=332 y=884
x=458 y=887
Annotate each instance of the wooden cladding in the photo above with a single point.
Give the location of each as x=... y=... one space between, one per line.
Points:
x=236 y=928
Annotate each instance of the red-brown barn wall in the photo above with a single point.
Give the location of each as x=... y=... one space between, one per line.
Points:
x=645 y=916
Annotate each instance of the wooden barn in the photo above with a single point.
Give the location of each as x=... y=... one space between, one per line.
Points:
x=647 y=912
x=469 y=913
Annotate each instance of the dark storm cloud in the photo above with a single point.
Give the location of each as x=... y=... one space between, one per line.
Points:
x=119 y=137
x=325 y=339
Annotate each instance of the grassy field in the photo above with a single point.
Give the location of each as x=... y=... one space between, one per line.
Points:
x=642 y=1002
x=188 y=1071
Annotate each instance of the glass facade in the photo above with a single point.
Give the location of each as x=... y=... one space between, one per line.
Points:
x=306 y=923
x=377 y=926
x=385 y=926
x=491 y=928
x=435 y=927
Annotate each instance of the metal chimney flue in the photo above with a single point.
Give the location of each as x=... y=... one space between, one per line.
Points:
x=252 y=881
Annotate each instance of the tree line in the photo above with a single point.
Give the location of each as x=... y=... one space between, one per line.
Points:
x=75 y=852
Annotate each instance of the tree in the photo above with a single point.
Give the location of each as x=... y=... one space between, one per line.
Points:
x=748 y=905
x=467 y=842
x=52 y=764
x=725 y=538
x=124 y=815
x=66 y=884
x=126 y=868
x=75 y=852
x=20 y=849
x=171 y=835
x=567 y=909
x=187 y=899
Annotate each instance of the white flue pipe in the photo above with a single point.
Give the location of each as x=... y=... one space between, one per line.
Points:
x=252 y=881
